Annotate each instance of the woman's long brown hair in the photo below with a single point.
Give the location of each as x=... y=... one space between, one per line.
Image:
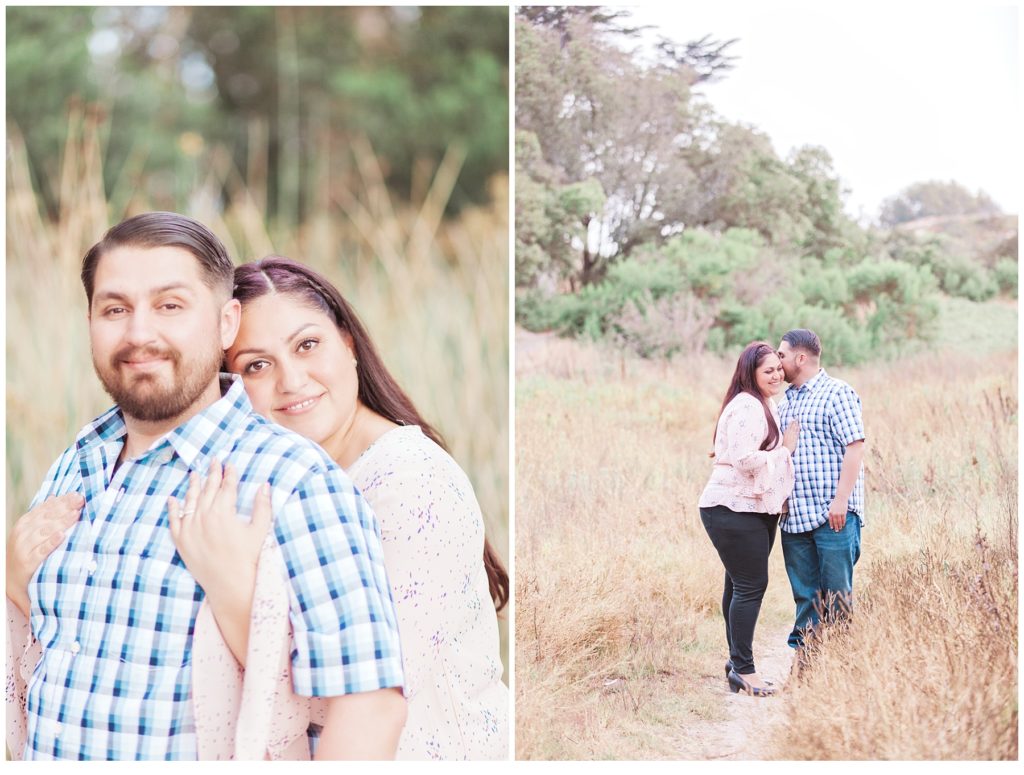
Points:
x=378 y=390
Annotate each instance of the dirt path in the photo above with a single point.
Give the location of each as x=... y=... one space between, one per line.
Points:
x=749 y=723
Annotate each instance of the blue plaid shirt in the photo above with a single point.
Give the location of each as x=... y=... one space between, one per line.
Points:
x=830 y=418
x=114 y=607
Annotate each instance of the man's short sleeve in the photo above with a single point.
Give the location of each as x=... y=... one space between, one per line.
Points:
x=345 y=633
x=845 y=416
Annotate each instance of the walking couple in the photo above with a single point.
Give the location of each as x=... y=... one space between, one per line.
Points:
x=796 y=466
x=200 y=578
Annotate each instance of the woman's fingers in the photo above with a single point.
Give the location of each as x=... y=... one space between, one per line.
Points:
x=63 y=510
x=191 y=496
x=210 y=487
x=69 y=504
x=261 y=512
x=174 y=517
x=48 y=545
x=227 y=495
x=41 y=530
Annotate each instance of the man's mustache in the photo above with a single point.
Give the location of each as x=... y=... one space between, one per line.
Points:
x=129 y=353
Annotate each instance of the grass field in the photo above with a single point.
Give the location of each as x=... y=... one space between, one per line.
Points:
x=619 y=638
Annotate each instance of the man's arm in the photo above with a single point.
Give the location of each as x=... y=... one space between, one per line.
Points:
x=344 y=628
x=362 y=725
x=852 y=459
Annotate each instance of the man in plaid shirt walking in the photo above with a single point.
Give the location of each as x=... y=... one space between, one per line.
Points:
x=821 y=533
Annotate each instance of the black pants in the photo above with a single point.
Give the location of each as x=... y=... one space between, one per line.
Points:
x=743 y=541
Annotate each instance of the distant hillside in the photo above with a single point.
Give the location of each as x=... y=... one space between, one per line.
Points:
x=984 y=237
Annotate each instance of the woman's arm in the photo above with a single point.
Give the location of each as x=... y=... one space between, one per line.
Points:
x=363 y=725
x=220 y=550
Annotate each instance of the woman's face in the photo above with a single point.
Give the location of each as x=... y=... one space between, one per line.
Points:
x=298 y=368
x=768 y=374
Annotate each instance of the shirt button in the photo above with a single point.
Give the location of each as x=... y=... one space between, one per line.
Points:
x=92 y=566
x=57 y=729
x=76 y=647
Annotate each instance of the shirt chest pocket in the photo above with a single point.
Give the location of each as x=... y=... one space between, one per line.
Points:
x=136 y=527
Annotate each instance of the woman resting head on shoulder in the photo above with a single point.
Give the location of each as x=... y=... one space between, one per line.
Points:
x=309 y=365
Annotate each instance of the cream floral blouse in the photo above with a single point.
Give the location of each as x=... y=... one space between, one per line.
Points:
x=433 y=539
x=745 y=478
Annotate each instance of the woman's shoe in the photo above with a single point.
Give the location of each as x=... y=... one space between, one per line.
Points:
x=738 y=684
x=728 y=669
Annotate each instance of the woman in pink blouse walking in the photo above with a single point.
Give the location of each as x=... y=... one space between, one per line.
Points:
x=750 y=482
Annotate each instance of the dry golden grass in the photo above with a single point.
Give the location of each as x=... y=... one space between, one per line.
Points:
x=619 y=639
x=432 y=292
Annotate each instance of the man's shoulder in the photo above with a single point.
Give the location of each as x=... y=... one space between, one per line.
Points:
x=837 y=387
x=262 y=439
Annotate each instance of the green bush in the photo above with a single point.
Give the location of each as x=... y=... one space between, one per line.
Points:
x=717 y=292
x=844 y=343
x=537 y=311
x=959 y=276
x=1005 y=275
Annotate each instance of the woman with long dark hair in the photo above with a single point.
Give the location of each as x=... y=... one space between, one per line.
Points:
x=751 y=480
x=309 y=365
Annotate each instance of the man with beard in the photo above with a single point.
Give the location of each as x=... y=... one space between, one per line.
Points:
x=113 y=607
x=821 y=532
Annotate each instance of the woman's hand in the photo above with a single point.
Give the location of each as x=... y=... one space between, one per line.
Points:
x=37 y=533
x=790 y=436
x=220 y=550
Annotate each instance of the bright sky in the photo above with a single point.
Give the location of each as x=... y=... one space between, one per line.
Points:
x=897 y=92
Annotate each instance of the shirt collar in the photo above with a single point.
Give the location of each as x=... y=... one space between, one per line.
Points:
x=195 y=440
x=810 y=385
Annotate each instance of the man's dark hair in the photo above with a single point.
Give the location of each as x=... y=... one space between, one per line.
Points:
x=161 y=229
x=803 y=339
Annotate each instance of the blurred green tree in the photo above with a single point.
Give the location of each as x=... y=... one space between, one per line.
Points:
x=47 y=62
x=276 y=85
x=551 y=220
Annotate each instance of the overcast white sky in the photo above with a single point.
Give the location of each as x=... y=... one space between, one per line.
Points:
x=897 y=92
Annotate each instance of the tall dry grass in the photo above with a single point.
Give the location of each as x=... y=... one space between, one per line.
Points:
x=433 y=293
x=928 y=670
x=619 y=638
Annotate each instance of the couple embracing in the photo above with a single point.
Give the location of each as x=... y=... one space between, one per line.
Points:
x=262 y=551
x=796 y=466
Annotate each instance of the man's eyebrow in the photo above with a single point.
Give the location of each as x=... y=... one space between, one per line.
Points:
x=120 y=296
x=290 y=337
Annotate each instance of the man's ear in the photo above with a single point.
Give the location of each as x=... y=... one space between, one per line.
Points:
x=230 y=320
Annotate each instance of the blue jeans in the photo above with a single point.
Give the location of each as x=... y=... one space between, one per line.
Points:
x=820 y=568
